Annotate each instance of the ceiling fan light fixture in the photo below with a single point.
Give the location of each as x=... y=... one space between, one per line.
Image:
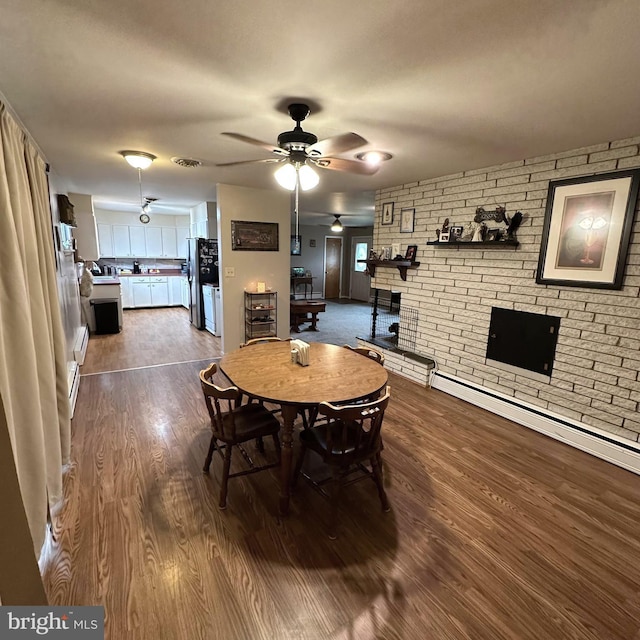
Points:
x=286 y=176
x=138 y=159
x=374 y=158
x=337 y=227
x=308 y=177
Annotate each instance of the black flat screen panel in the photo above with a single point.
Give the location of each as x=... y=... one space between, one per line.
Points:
x=522 y=339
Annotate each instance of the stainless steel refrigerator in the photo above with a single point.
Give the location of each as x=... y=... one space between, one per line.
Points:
x=202 y=268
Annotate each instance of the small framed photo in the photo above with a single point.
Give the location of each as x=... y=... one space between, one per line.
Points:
x=387 y=213
x=493 y=235
x=411 y=252
x=444 y=236
x=455 y=233
x=407 y=217
x=312 y=242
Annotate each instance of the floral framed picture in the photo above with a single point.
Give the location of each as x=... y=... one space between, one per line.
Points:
x=387 y=213
x=407 y=218
x=586 y=232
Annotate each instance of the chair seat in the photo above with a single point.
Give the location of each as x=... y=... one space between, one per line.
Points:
x=251 y=421
x=344 y=443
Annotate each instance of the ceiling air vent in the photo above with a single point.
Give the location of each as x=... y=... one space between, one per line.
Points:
x=189 y=163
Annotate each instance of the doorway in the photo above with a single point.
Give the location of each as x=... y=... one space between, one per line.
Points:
x=332 y=267
x=360 y=279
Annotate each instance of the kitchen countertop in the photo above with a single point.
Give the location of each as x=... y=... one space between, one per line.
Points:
x=100 y=280
x=164 y=272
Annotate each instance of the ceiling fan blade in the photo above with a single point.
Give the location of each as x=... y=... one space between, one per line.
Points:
x=336 y=144
x=257 y=143
x=340 y=164
x=231 y=164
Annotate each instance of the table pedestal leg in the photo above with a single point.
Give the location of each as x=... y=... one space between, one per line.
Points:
x=289 y=414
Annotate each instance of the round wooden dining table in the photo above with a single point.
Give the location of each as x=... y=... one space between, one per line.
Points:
x=334 y=374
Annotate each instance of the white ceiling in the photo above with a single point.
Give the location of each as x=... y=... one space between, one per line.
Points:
x=443 y=85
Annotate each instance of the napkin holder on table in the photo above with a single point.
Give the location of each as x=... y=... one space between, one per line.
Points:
x=302 y=352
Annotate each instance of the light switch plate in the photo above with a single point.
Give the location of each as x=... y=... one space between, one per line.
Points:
x=229 y=272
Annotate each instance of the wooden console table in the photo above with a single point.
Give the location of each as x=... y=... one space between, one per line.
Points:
x=307 y=281
x=305 y=311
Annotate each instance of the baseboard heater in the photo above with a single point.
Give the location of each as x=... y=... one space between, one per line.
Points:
x=80 y=345
x=73 y=383
x=597 y=442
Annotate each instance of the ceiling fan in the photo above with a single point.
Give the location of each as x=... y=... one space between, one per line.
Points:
x=298 y=150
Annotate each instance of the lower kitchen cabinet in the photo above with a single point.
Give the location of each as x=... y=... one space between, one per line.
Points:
x=153 y=291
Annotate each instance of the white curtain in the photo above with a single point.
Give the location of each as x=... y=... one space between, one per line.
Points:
x=33 y=371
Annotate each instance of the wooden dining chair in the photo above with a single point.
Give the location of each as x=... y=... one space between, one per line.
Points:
x=248 y=343
x=368 y=352
x=346 y=442
x=233 y=424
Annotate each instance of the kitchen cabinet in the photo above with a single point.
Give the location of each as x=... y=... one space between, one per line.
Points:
x=150 y=291
x=182 y=238
x=127 y=293
x=185 y=293
x=141 y=294
x=105 y=240
x=175 y=290
x=121 y=242
x=154 y=242
x=169 y=242
x=159 y=294
x=138 y=242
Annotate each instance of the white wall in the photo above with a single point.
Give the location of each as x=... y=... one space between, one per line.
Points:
x=271 y=267
x=596 y=374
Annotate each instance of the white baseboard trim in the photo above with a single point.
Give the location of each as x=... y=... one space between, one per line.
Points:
x=599 y=443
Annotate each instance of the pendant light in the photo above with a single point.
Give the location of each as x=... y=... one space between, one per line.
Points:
x=337 y=227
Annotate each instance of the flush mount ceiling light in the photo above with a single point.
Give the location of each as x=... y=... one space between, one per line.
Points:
x=337 y=227
x=138 y=159
x=374 y=158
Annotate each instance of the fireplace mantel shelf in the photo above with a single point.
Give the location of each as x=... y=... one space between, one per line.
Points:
x=401 y=265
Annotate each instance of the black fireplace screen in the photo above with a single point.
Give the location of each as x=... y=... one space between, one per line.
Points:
x=392 y=324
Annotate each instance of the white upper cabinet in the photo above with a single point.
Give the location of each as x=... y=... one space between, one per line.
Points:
x=121 y=242
x=169 y=242
x=137 y=238
x=105 y=241
x=154 y=242
x=183 y=234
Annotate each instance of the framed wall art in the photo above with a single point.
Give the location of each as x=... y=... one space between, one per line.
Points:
x=254 y=236
x=407 y=217
x=411 y=252
x=387 y=213
x=587 y=227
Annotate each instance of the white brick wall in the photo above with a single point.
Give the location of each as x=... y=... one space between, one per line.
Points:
x=596 y=377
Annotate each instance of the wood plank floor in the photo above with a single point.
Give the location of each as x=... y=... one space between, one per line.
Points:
x=496 y=532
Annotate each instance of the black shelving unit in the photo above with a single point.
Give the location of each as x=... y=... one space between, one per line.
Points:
x=494 y=244
x=260 y=314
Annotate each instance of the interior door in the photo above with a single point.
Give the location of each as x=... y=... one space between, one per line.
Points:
x=360 y=280
x=332 y=267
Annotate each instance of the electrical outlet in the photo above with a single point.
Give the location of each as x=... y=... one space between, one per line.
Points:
x=229 y=272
